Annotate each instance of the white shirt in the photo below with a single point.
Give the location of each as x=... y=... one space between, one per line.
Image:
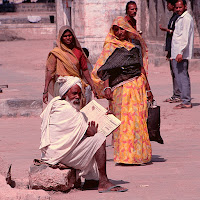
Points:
x=183 y=37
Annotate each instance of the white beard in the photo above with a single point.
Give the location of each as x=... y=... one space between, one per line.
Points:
x=77 y=106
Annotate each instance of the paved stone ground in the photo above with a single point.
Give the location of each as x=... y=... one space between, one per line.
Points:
x=174 y=172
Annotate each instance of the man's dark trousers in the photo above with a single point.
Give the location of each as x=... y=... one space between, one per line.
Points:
x=176 y=91
x=183 y=80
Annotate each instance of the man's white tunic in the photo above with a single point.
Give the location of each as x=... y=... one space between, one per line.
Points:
x=63 y=138
x=183 y=37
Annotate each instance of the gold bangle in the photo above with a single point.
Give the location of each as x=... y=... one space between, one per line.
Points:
x=106 y=88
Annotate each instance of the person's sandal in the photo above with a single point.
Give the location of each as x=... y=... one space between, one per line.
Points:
x=182 y=106
x=175 y=100
x=168 y=99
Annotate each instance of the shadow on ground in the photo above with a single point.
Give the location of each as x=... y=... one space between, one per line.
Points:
x=195 y=104
x=157 y=158
x=118 y=182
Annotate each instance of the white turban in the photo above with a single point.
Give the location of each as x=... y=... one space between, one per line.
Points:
x=66 y=82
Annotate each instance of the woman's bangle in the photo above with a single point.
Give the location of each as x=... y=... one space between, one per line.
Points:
x=45 y=92
x=106 y=88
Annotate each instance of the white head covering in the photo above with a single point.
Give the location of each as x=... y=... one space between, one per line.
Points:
x=66 y=82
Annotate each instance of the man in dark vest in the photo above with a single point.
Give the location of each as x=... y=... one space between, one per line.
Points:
x=170 y=29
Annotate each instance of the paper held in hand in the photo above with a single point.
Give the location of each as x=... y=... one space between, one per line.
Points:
x=95 y=112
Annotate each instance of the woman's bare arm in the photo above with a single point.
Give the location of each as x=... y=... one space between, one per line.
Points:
x=107 y=90
x=48 y=78
x=148 y=89
x=50 y=68
x=87 y=76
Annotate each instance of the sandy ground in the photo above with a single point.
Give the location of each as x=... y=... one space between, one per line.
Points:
x=175 y=169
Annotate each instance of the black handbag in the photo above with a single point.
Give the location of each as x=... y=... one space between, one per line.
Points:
x=153 y=124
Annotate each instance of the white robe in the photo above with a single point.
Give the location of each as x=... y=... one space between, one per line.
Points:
x=62 y=139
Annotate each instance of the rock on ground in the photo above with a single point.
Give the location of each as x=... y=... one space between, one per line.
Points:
x=47 y=178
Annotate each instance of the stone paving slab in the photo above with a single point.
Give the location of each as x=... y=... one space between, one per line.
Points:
x=22 y=65
x=172 y=175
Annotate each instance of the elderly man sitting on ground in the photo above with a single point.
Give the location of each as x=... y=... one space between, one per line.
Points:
x=68 y=139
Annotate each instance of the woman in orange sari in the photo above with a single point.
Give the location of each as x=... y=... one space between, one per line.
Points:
x=128 y=98
x=67 y=59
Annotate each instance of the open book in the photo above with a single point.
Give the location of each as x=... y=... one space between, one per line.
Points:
x=93 y=111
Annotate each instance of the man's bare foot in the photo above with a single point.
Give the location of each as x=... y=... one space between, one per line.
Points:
x=71 y=178
x=109 y=187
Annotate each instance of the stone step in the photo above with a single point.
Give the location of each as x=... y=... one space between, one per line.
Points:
x=27 y=7
x=28 y=31
x=35 y=7
x=24 y=20
x=157 y=61
x=20 y=107
x=158 y=49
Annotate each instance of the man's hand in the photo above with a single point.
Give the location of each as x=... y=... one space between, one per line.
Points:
x=162 y=28
x=168 y=56
x=92 y=129
x=179 y=58
x=45 y=98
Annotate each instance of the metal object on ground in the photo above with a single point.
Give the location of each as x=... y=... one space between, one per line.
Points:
x=3 y=86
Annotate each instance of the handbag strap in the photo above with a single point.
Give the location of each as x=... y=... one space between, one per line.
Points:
x=152 y=104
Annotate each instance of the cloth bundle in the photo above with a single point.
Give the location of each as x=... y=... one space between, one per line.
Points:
x=121 y=66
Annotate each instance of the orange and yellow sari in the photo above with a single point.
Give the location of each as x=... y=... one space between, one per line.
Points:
x=131 y=139
x=66 y=64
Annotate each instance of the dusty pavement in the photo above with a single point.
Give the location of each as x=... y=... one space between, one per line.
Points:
x=174 y=173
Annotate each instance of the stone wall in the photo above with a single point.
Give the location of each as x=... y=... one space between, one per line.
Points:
x=195 y=10
x=92 y=19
